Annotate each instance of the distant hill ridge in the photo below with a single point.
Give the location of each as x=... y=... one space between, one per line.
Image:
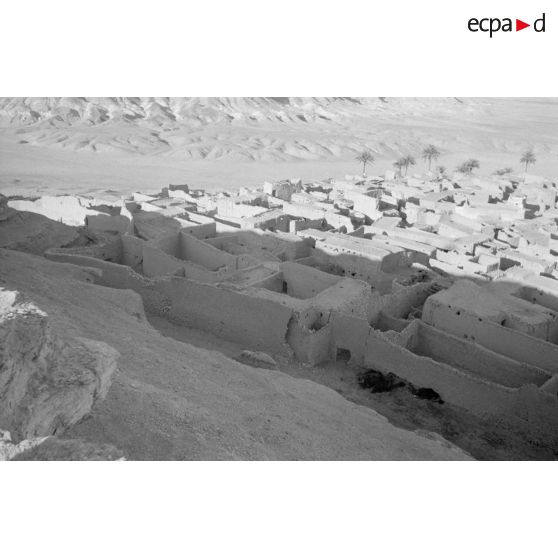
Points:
x=278 y=128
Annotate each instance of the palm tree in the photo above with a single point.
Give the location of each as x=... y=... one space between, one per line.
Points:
x=430 y=153
x=365 y=157
x=468 y=166
x=528 y=158
x=407 y=160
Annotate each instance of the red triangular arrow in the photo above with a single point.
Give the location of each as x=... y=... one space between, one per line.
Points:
x=519 y=25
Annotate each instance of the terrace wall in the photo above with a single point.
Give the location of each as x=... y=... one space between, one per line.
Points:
x=204 y=254
x=505 y=341
x=132 y=252
x=156 y=262
x=254 y=322
x=306 y=282
x=475 y=359
x=201 y=230
x=466 y=297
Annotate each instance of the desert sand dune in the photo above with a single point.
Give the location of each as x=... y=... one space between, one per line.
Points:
x=87 y=144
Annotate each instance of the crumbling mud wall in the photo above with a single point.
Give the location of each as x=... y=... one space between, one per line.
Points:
x=109 y=250
x=255 y=317
x=354 y=264
x=326 y=267
x=163 y=256
x=132 y=252
x=503 y=340
x=157 y=263
x=204 y=254
x=389 y=354
x=169 y=244
x=200 y=231
x=467 y=299
x=125 y=249
x=480 y=392
x=349 y=296
x=277 y=246
x=367 y=260
x=306 y=282
x=349 y=334
x=257 y=323
x=149 y=225
x=108 y=223
x=386 y=322
x=155 y=258
x=400 y=302
x=530 y=286
x=311 y=331
x=264 y=276
x=337 y=320
x=310 y=341
x=539 y=296
x=475 y=359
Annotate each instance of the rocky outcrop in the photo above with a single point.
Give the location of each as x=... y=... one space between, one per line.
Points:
x=9 y=450
x=257 y=359
x=47 y=381
x=56 y=449
x=5 y=211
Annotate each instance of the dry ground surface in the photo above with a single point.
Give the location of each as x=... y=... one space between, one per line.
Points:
x=485 y=439
x=88 y=145
x=173 y=400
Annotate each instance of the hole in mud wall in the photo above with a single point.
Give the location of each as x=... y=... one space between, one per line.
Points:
x=385 y=322
x=343 y=355
x=316 y=325
x=313 y=320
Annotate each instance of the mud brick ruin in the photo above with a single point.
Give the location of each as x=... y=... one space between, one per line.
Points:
x=450 y=284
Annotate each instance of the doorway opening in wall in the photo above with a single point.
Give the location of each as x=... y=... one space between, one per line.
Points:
x=343 y=355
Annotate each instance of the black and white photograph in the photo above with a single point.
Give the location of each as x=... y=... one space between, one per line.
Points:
x=173 y=268
x=235 y=309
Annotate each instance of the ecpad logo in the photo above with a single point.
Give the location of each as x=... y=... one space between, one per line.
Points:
x=494 y=24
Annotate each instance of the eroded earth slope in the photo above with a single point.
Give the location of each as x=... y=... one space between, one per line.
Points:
x=171 y=400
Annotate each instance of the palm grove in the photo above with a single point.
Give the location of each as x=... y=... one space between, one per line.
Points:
x=431 y=154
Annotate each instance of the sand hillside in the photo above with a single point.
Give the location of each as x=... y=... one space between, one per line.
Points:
x=85 y=145
x=171 y=400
